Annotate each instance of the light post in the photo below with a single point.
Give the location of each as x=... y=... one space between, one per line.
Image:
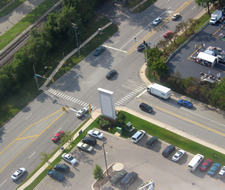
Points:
x=146 y=56
x=105 y=157
x=75 y=29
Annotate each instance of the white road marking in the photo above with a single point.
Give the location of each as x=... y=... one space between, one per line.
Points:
x=141 y=93
x=58 y=130
x=114 y=48
x=167 y=1
x=28 y=116
x=116 y=42
x=135 y=27
x=73 y=110
x=193 y=8
x=32 y=154
x=96 y=59
x=152 y=13
x=76 y=76
x=3 y=183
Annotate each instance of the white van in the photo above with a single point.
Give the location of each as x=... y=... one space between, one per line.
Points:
x=137 y=136
x=194 y=163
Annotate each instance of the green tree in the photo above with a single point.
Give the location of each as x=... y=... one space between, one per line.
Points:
x=161 y=68
x=183 y=26
x=162 y=44
x=67 y=137
x=193 y=23
x=98 y=172
x=204 y=3
x=44 y=157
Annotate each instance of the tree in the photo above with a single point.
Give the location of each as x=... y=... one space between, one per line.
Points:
x=162 y=44
x=160 y=67
x=193 y=23
x=98 y=172
x=44 y=157
x=204 y=3
x=183 y=26
x=66 y=137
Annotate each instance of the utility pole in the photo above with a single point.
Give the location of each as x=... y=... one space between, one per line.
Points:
x=105 y=157
x=35 y=77
x=75 y=29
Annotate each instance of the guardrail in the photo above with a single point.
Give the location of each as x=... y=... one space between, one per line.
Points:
x=188 y=40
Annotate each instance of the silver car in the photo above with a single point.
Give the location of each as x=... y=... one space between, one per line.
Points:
x=18 y=173
x=157 y=21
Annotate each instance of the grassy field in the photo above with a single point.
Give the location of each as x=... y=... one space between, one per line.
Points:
x=151 y=129
x=29 y=19
x=11 y=7
x=13 y=104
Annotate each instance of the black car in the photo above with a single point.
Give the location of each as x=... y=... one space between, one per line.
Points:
x=99 y=50
x=62 y=168
x=152 y=141
x=168 y=150
x=145 y=107
x=89 y=140
x=56 y=175
x=141 y=47
x=111 y=74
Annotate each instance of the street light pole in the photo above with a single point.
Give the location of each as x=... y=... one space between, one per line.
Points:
x=105 y=157
x=75 y=29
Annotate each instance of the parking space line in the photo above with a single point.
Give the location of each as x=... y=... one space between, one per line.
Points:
x=157 y=186
x=50 y=186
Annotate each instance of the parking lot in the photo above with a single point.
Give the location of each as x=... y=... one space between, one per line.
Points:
x=181 y=62
x=148 y=163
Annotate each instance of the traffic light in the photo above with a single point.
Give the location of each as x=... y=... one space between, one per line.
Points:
x=53 y=80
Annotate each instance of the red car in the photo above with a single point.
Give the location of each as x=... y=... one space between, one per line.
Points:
x=166 y=34
x=58 y=136
x=206 y=164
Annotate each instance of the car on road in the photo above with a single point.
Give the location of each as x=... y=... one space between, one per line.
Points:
x=206 y=164
x=96 y=134
x=157 y=21
x=178 y=155
x=167 y=34
x=175 y=16
x=18 y=173
x=99 y=50
x=145 y=107
x=63 y=168
x=56 y=175
x=221 y=173
x=141 y=47
x=138 y=136
x=58 y=136
x=85 y=147
x=110 y=74
x=185 y=103
x=168 y=150
x=214 y=169
x=68 y=158
x=89 y=140
x=221 y=58
x=81 y=112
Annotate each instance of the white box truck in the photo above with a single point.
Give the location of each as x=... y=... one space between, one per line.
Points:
x=159 y=90
x=215 y=16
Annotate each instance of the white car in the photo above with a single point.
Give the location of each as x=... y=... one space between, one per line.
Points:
x=221 y=174
x=81 y=112
x=137 y=136
x=18 y=173
x=157 y=21
x=68 y=158
x=96 y=134
x=175 y=16
x=178 y=155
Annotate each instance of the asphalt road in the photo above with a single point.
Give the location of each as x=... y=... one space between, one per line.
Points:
x=30 y=131
x=148 y=163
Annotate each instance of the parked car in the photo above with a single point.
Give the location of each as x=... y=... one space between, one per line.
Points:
x=118 y=176
x=68 y=158
x=175 y=16
x=96 y=134
x=128 y=180
x=63 y=168
x=99 y=50
x=89 y=140
x=145 y=107
x=214 y=169
x=152 y=141
x=167 y=34
x=56 y=175
x=110 y=74
x=157 y=21
x=178 y=155
x=206 y=164
x=18 y=173
x=58 y=136
x=222 y=172
x=141 y=47
x=137 y=136
x=185 y=103
x=85 y=147
x=81 y=112
x=168 y=150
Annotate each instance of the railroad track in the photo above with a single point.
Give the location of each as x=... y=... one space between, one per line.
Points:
x=7 y=56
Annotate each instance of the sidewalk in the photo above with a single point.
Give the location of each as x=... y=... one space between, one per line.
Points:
x=16 y=15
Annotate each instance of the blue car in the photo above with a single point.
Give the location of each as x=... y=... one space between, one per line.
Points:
x=214 y=169
x=99 y=50
x=56 y=175
x=185 y=103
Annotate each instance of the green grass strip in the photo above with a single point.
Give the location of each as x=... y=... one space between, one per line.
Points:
x=28 y=20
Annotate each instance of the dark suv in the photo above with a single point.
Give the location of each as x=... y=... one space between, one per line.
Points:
x=168 y=150
x=62 y=168
x=151 y=142
x=145 y=107
x=89 y=140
